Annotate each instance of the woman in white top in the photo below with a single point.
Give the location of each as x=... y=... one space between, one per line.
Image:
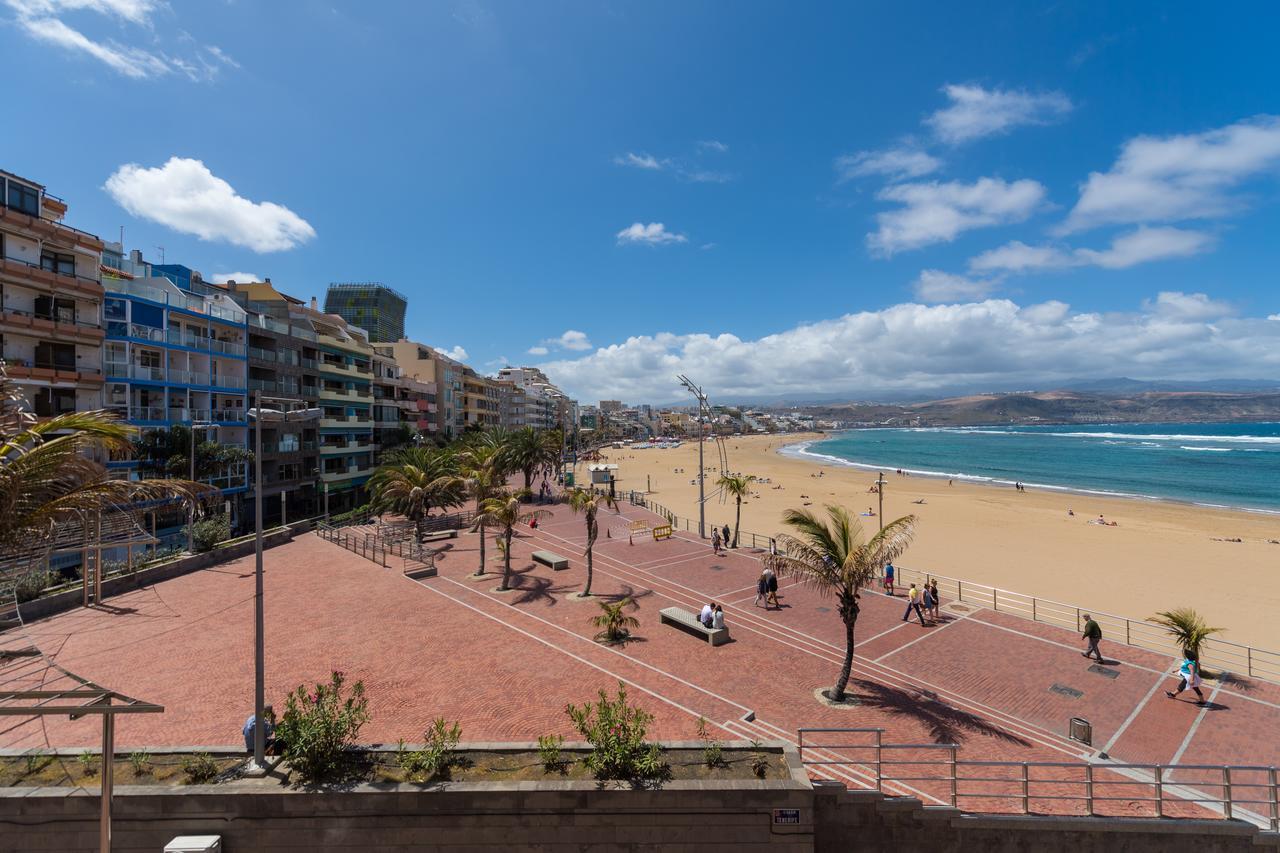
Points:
x=717 y=619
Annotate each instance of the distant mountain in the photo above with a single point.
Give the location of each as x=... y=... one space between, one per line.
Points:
x=1121 y=385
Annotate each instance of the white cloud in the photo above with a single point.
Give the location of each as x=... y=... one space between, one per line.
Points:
x=538 y=350
x=1140 y=246
x=938 y=212
x=712 y=145
x=895 y=164
x=241 y=277
x=913 y=347
x=185 y=196
x=976 y=112
x=1274 y=317
x=572 y=339
x=653 y=234
x=43 y=20
x=457 y=353
x=939 y=286
x=638 y=161
x=1170 y=178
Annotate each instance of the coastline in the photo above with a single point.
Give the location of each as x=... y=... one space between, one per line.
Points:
x=802 y=453
x=1161 y=555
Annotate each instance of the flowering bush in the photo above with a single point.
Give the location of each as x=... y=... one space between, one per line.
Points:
x=320 y=726
x=616 y=731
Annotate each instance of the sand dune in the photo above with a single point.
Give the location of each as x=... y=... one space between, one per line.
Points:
x=1161 y=555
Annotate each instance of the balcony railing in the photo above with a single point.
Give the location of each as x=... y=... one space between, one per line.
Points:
x=35 y=266
x=65 y=317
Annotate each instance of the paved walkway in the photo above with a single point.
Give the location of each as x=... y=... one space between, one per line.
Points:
x=505 y=664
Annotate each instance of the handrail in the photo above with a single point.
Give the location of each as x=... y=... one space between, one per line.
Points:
x=1138 y=633
x=1232 y=787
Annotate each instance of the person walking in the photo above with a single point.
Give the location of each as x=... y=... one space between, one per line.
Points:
x=913 y=603
x=933 y=589
x=724 y=536
x=1093 y=634
x=1189 y=676
x=762 y=589
x=926 y=601
x=888 y=578
x=773 y=590
x=715 y=540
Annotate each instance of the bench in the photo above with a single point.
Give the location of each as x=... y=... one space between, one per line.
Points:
x=439 y=534
x=555 y=561
x=689 y=621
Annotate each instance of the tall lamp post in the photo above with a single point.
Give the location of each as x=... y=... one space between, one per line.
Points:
x=880 y=492
x=702 y=499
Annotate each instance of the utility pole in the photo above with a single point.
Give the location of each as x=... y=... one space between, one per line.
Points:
x=259 y=649
x=702 y=499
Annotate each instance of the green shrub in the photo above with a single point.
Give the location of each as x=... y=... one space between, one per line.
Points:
x=616 y=732
x=320 y=726
x=88 y=763
x=549 y=747
x=437 y=755
x=759 y=761
x=140 y=762
x=199 y=767
x=208 y=532
x=712 y=750
x=29 y=587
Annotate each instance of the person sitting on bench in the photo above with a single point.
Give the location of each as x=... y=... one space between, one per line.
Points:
x=717 y=618
x=708 y=614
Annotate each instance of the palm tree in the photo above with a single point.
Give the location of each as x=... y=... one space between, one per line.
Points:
x=739 y=487
x=1187 y=628
x=412 y=481
x=615 y=625
x=480 y=477
x=589 y=504
x=503 y=512
x=832 y=558
x=51 y=473
x=531 y=451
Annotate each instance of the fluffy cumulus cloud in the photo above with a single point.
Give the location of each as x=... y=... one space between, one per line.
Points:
x=1139 y=246
x=457 y=353
x=538 y=350
x=46 y=21
x=939 y=286
x=653 y=234
x=919 y=348
x=185 y=196
x=1171 y=178
x=224 y=277
x=572 y=340
x=894 y=164
x=976 y=112
x=937 y=212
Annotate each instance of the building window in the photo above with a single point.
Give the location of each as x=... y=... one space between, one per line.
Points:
x=51 y=402
x=149 y=358
x=24 y=198
x=58 y=262
x=113 y=309
x=56 y=308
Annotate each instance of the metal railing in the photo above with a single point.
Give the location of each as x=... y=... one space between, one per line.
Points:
x=1247 y=792
x=1138 y=633
x=1215 y=654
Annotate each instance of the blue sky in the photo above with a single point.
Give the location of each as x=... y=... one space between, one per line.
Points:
x=775 y=198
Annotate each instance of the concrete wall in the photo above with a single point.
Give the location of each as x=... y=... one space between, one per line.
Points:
x=118 y=584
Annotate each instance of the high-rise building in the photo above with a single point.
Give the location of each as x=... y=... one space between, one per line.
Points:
x=372 y=306
x=50 y=301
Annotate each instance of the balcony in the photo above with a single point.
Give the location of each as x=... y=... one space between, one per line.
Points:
x=34 y=276
x=59 y=323
x=220 y=416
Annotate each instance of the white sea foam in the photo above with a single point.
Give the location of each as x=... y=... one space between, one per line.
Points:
x=1207 y=449
x=1139 y=436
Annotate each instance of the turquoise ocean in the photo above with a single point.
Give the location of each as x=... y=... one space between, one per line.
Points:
x=1227 y=465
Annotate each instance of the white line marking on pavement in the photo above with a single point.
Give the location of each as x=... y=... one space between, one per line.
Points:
x=1133 y=715
x=923 y=636
x=1191 y=732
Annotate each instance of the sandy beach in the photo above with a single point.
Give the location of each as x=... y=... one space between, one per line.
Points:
x=1160 y=555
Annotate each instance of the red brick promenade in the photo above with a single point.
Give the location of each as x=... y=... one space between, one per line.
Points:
x=504 y=665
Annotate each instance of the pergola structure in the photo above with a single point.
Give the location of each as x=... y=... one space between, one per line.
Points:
x=31 y=685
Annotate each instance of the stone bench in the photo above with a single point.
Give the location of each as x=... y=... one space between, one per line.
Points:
x=689 y=621
x=547 y=558
x=439 y=534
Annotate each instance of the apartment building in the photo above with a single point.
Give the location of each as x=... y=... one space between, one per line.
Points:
x=546 y=406
x=175 y=352
x=371 y=305
x=50 y=300
x=283 y=373
x=421 y=362
x=346 y=403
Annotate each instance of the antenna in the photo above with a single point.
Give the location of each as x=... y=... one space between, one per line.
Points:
x=161 y=250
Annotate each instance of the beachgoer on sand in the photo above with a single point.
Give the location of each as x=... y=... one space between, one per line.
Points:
x=1093 y=634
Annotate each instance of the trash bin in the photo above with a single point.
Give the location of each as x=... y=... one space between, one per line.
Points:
x=1081 y=730
x=195 y=844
